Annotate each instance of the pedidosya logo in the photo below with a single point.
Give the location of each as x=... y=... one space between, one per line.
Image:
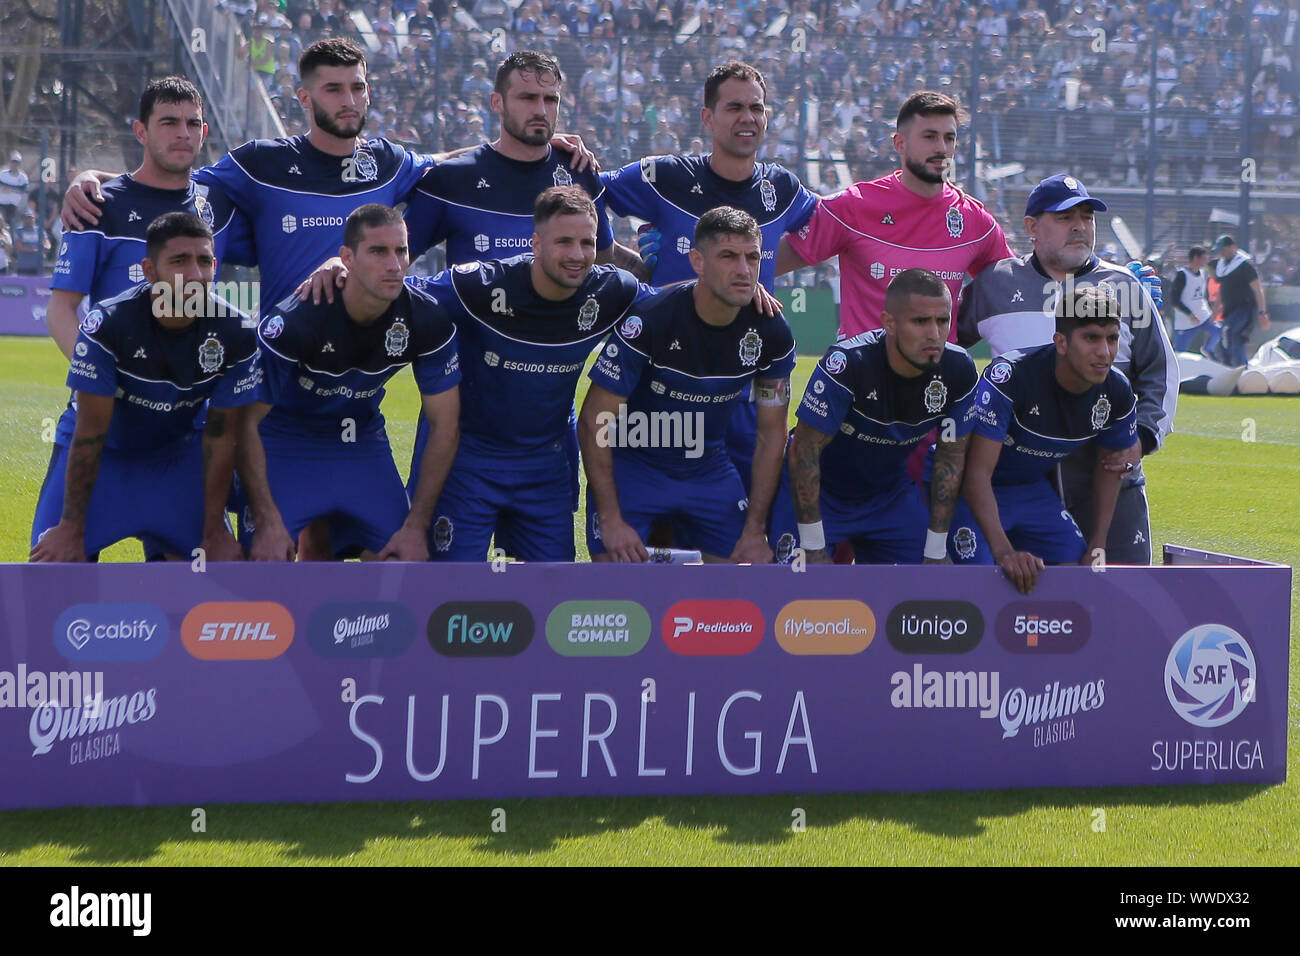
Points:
x=598 y=628
x=360 y=629
x=111 y=632
x=237 y=630
x=708 y=628
x=481 y=628
x=825 y=627
x=1043 y=627
x=1210 y=675
x=934 y=627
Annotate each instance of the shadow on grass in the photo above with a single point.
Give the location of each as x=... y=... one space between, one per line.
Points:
x=333 y=833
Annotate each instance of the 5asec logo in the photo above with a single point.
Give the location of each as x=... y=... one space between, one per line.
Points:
x=481 y=628
x=1210 y=675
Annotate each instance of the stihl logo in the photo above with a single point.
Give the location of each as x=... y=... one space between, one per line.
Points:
x=237 y=630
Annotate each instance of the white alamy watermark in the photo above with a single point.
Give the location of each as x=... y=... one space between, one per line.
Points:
x=651 y=430
x=24 y=688
x=201 y=300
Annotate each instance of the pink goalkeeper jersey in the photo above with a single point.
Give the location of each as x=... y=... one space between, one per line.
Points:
x=880 y=228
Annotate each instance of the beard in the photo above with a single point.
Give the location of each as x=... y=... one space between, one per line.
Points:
x=521 y=133
x=326 y=123
x=923 y=172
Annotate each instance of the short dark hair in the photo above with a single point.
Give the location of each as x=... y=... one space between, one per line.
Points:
x=927 y=103
x=170 y=225
x=168 y=89
x=1195 y=251
x=563 y=201
x=914 y=282
x=1091 y=305
x=735 y=70
x=725 y=221
x=335 y=51
x=526 y=61
x=370 y=216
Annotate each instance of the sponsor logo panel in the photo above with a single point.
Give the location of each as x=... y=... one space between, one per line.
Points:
x=598 y=628
x=237 y=630
x=934 y=627
x=825 y=627
x=111 y=632
x=355 y=629
x=1043 y=627
x=481 y=628
x=712 y=628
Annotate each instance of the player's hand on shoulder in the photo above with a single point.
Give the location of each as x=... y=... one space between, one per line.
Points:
x=752 y=548
x=765 y=302
x=329 y=275
x=82 y=200
x=1021 y=568
x=271 y=542
x=621 y=541
x=406 y=544
x=583 y=158
x=221 y=546
x=63 y=543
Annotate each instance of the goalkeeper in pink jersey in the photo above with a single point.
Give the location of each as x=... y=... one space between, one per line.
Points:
x=914 y=218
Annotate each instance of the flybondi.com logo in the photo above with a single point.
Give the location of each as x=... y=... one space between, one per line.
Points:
x=481 y=628
x=111 y=632
x=1210 y=675
x=651 y=430
x=825 y=627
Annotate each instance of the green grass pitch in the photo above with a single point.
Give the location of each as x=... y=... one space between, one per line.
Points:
x=1210 y=487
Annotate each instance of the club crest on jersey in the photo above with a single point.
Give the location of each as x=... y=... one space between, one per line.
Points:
x=964 y=542
x=587 y=314
x=274 y=326
x=204 y=209
x=396 y=338
x=785 y=548
x=595 y=525
x=836 y=362
x=561 y=177
x=956 y=222
x=443 y=530
x=936 y=396
x=211 y=353
x=367 y=168
x=631 y=327
x=751 y=346
x=767 y=192
x=1000 y=373
x=1101 y=412
x=92 y=321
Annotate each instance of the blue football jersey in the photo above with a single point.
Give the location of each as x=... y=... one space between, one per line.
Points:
x=298 y=198
x=670 y=364
x=158 y=376
x=521 y=354
x=323 y=369
x=104 y=261
x=1019 y=403
x=878 y=417
x=673 y=192
x=481 y=203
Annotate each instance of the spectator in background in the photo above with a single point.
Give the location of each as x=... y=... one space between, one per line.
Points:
x=13 y=189
x=6 y=247
x=30 y=246
x=1241 y=298
x=1191 y=304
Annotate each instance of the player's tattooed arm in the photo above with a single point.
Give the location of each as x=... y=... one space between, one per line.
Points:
x=626 y=259
x=945 y=485
x=599 y=411
x=82 y=200
x=271 y=540
x=66 y=541
x=772 y=396
x=411 y=541
x=218 y=470
x=806 y=481
x=1105 y=492
x=1020 y=567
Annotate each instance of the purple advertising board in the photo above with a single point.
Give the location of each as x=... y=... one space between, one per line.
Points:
x=23 y=300
x=399 y=681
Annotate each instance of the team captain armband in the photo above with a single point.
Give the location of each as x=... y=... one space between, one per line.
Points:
x=769 y=392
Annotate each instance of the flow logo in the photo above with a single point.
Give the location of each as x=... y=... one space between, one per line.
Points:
x=481 y=628
x=111 y=632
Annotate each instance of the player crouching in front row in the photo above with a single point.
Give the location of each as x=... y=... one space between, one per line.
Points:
x=142 y=369
x=314 y=445
x=1031 y=410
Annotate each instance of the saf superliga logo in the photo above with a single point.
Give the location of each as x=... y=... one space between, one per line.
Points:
x=1210 y=675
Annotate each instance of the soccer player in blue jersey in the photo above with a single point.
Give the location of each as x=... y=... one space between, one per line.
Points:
x=1032 y=410
x=314 y=446
x=102 y=262
x=653 y=426
x=140 y=369
x=672 y=192
x=870 y=402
